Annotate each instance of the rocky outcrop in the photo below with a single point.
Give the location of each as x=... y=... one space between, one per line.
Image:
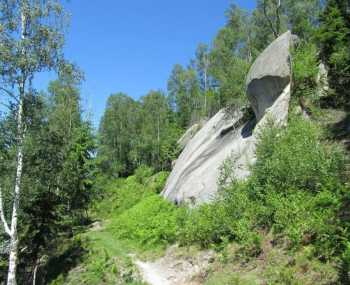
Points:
x=194 y=178
x=189 y=134
x=269 y=74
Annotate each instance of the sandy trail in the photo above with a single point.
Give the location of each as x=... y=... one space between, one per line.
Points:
x=152 y=273
x=173 y=269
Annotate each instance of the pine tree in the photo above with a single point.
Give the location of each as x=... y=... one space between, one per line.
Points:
x=334 y=37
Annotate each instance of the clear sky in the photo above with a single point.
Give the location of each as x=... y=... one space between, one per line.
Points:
x=131 y=46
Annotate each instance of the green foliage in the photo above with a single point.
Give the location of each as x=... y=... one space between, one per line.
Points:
x=230 y=218
x=298 y=268
x=142 y=173
x=43 y=40
x=334 y=38
x=151 y=222
x=316 y=166
x=117 y=132
x=229 y=278
x=301 y=204
x=157 y=181
x=305 y=66
x=105 y=260
x=184 y=95
x=205 y=226
x=230 y=58
x=121 y=194
x=58 y=143
x=134 y=133
x=118 y=196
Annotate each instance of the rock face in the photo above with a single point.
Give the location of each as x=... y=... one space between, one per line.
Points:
x=195 y=175
x=269 y=74
x=189 y=134
x=194 y=178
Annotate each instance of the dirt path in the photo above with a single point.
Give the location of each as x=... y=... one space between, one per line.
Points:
x=152 y=273
x=175 y=269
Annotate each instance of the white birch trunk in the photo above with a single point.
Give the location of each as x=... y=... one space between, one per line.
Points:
x=11 y=278
x=13 y=258
x=35 y=272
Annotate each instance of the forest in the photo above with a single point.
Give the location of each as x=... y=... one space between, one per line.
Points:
x=80 y=205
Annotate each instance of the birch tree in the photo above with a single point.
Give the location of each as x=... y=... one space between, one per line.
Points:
x=203 y=64
x=31 y=40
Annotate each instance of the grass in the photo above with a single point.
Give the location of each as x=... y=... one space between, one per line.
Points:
x=106 y=258
x=276 y=265
x=107 y=261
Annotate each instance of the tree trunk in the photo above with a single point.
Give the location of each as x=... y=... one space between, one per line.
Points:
x=11 y=278
x=35 y=273
x=13 y=259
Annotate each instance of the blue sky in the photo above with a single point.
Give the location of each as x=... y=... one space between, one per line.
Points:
x=131 y=46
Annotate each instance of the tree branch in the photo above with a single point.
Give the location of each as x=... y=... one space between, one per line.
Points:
x=2 y=216
x=5 y=105
x=9 y=93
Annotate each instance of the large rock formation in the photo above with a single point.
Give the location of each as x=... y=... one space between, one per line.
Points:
x=194 y=178
x=269 y=74
x=189 y=134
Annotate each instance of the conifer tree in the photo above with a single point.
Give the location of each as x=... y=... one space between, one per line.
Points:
x=334 y=37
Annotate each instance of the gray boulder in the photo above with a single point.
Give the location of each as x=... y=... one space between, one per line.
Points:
x=269 y=74
x=194 y=178
x=195 y=174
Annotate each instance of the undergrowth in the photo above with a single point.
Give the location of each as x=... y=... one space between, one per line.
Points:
x=296 y=193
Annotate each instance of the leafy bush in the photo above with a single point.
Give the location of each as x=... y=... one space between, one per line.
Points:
x=153 y=221
x=305 y=71
x=298 y=183
x=204 y=225
x=142 y=173
x=295 y=189
x=230 y=218
x=156 y=182
x=295 y=158
x=121 y=194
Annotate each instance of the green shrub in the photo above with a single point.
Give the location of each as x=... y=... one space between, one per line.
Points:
x=142 y=173
x=295 y=189
x=156 y=182
x=121 y=194
x=297 y=182
x=151 y=222
x=204 y=225
x=230 y=218
x=295 y=158
x=305 y=71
